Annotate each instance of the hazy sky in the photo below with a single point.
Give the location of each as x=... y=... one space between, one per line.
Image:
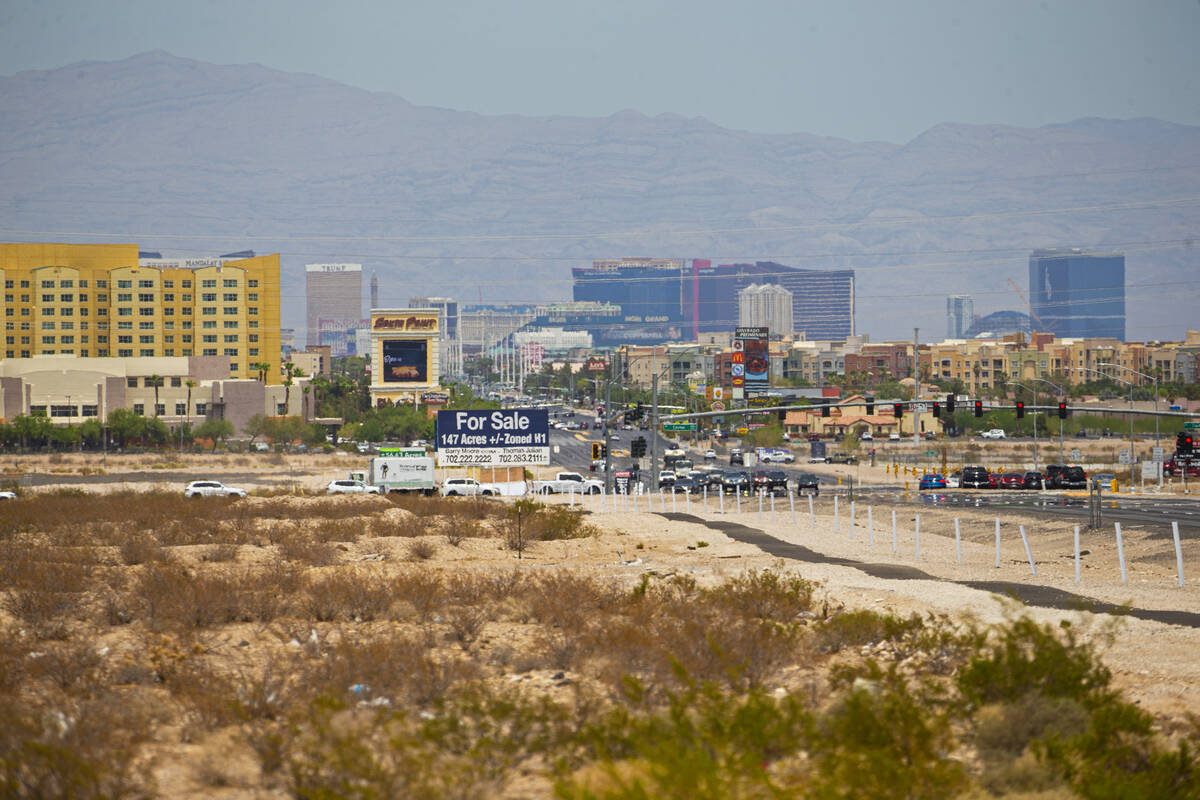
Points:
x=858 y=69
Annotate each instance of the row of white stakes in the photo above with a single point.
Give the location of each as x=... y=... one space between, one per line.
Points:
x=618 y=496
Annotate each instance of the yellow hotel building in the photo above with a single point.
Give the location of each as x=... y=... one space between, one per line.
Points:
x=95 y=300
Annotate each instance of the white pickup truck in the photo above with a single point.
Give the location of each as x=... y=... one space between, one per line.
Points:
x=568 y=482
x=468 y=487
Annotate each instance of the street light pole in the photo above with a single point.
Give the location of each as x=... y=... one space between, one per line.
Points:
x=654 y=432
x=1060 y=422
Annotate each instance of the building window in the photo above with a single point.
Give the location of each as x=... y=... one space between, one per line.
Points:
x=83 y=312
x=209 y=338
x=47 y=298
x=281 y=409
x=186 y=338
x=146 y=311
x=102 y=284
x=201 y=408
x=252 y=337
x=101 y=312
x=37 y=411
x=208 y=351
x=47 y=312
x=186 y=284
x=47 y=340
x=180 y=409
x=168 y=312
x=9 y=354
x=170 y=351
x=252 y=323
x=67 y=340
x=208 y=311
x=67 y=284
x=124 y=340
x=252 y=283
x=47 y=284
x=125 y=312
x=211 y=283
x=89 y=411
x=231 y=351
x=66 y=298
x=145 y=326
x=139 y=409
x=124 y=326
x=230 y=283
x=229 y=297
x=185 y=352
x=233 y=367
x=124 y=284
x=252 y=297
x=160 y=408
x=47 y=326
x=67 y=312
x=145 y=297
x=168 y=298
x=231 y=338
x=101 y=339
x=252 y=310
x=145 y=284
x=231 y=324
x=208 y=297
x=146 y=339
x=253 y=352
x=187 y=311
x=231 y=311
x=187 y=298
x=146 y=353
x=168 y=284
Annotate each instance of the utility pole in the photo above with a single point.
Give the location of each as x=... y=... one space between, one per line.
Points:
x=608 y=476
x=654 y=432
x=916 y=415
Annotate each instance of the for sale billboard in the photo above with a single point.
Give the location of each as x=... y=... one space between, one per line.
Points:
x=752 y=344
x=514 y=437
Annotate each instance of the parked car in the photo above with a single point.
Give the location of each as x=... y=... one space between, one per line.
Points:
x=974 y=478
x=1103 y=480
x=893 y=437
x=841 y=458
x=807 y=483
x=994 y=433
x=1066 y=478
x=211 y=489
x=1012 y=480
x=1034 y=480
x=932 y=481
x=994 y=480
x=954 y=479
x=866 y=436
x=709 y=455
x=686 y=485
x=350 y=487
x=468 y=487
x=7 y=495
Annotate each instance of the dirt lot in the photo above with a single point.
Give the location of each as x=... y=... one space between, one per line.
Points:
x=852 y=567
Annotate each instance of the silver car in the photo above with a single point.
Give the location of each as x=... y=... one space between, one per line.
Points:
x=6 y=495
x=212 y=489
x=350 y=487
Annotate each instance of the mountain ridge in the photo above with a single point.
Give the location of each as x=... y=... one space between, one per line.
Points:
x=186 y=156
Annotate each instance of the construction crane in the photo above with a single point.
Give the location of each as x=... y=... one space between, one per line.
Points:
x=1025 y=300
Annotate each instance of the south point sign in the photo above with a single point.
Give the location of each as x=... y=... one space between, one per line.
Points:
x=409 y=323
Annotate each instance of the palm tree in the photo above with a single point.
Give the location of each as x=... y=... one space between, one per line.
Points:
x=156 y=381
x=290 y=372
x=187 y=410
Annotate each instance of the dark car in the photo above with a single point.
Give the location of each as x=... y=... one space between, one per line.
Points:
x=1012 y=480
x=735 y=483
x=688 y=485
x=806 y=483
x=1050 y=475
x=713 y=480
x=993 y=480
x=773 y=481
x=1068 y=478
x=736 y=458
x=1034 y=480
x=974 y=478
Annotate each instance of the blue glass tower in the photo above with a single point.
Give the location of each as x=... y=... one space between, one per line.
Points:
x=1074 y=293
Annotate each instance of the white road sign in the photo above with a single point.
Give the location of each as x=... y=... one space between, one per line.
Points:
x=1123 y=458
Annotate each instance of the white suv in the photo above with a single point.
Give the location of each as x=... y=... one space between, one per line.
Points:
x=994 y=433
x=212 y=489
x=6 y=495
x=467 y=487
x=350 y=487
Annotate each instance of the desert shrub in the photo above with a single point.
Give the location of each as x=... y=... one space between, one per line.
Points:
x=421 y=589
x=420 y=550
x=86 y=749
x=349 y=594
x=552 y=523
x=221 y=553
x=398 y=667
x=855 y=628
x=171 y=595
x=45 y=595
x=140 y=548
x=336 y=530
x=762 y=595
x=303 y=549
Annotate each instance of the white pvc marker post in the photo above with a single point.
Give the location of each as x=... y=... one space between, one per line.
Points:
x=997 y=543
x=792 y=501
x=870 y=527
x=957 y=541
x=837 y=525
x=1121 y=552
x=812 y=515
x=706 y=498
x=1028 y=552
x=1077 y=553
x=772 y=506
x=721 y=494
x=760 y=505
x=738 y=493
x=1178 y=552
x=895 y=540
x=917 y=536
x=852 y=520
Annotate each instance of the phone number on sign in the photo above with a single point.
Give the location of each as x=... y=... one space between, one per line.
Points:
x=497 y=457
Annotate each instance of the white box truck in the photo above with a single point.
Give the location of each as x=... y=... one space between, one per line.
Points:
x=400 y=469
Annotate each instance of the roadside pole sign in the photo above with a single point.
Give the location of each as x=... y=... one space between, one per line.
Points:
x=1151 y=470
x=920 y=408
x=1123 y=458
x=1076 y=455
x=513 y=437
x=679 y=426
x=1156 y=454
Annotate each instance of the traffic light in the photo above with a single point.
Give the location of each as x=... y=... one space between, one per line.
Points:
x=637 y=448
x=1184 y=444
x=950 y=403
x=937 y=409
x=596 y=454
x=1062 y=410
x=979 y=408
x=898 y=410
x=638 y=413
x=870 y=405
x=1020 y=408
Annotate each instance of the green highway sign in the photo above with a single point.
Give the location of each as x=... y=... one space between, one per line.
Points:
x=1191 y=426
x=679 y=426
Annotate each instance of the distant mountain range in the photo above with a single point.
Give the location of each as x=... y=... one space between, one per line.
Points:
x=187 y=157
